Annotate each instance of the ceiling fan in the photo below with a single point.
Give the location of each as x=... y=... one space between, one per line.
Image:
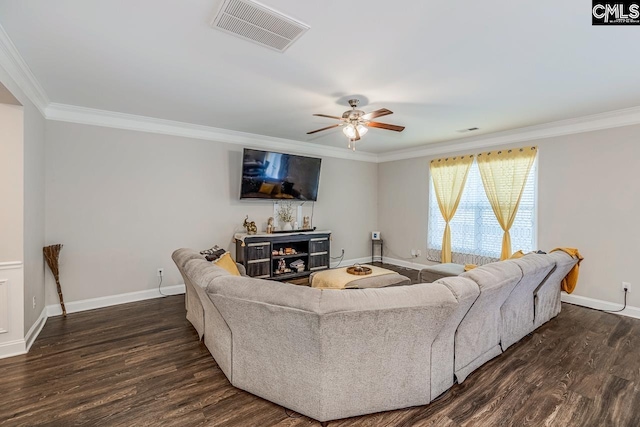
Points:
x=356 y=123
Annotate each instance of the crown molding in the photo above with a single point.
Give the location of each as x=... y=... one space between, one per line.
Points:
x=608 y=120
x=90 y=116
x=19 y=71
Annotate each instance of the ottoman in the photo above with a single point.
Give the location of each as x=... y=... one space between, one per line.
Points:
x=436 y=272
x=338 y=278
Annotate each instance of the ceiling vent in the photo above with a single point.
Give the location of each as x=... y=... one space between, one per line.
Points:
x=259 y=24
x=468 y=130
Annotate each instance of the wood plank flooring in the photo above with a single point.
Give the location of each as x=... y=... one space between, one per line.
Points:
x=141 y=364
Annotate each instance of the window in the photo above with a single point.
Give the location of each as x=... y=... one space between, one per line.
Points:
x=476 y=236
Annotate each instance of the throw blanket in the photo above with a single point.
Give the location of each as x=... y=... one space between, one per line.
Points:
x=571 y=279
x=340 y=279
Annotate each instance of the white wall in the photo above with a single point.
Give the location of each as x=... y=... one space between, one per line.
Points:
x=11 y=183
x=403 y=197
x=122 y=201
x=588 y=193
x=29 y=182
x=11 y=231
x=34 y=214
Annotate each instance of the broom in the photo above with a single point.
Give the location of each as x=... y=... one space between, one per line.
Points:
x=51 y=254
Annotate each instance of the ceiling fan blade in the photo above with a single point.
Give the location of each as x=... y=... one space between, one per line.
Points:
x=327 y=116
x=385 y=126
x=320 y=130
x=378 y=113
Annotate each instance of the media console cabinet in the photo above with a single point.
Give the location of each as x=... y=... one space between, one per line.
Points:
x=257 y=253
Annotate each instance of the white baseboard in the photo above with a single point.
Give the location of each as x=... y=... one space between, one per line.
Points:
x=36 y=328
x=350 y=262
x=93 y=303
x=600 y=305
x=405 y=263
x=22 y=346
x=12 y=348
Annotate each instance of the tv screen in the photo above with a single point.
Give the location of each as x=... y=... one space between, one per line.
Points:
x=268 y=175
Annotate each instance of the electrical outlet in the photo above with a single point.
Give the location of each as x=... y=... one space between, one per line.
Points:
x=626 y=286
x=413 y=252
x=160 y=272
x=34 y=302
x=418 y=252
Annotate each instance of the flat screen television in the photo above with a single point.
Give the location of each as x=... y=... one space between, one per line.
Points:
x=269 y=175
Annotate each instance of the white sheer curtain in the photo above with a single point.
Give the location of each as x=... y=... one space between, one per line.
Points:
x=476 y=236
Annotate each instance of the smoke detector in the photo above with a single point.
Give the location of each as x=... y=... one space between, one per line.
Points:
x=257 y=23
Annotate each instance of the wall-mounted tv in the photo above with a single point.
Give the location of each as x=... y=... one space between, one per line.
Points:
x=269 y=175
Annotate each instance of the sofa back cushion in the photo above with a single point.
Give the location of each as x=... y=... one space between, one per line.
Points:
x=202 y=272
x=478 y=336
x=518 y=309
x=266 y=292
x=182 y=256
x=331 y=301
x=563 y=264
x=495 y=276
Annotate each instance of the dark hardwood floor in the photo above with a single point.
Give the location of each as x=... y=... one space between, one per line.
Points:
x=141 y=364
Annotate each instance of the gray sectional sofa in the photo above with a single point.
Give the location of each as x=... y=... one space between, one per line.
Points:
x=332 y=354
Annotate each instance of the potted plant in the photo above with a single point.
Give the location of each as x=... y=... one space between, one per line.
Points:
x=285 y=215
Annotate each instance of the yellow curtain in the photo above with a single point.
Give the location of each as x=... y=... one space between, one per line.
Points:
x=449 y=176
x=504 y=174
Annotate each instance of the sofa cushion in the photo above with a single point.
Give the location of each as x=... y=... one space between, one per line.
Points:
x=265 y=291
x=547 y=294
x=465 y=291
x=202 y=272
x=478 y=336
x=518 y=310
x=181 y=256
x=228 y=264
x=495 y=275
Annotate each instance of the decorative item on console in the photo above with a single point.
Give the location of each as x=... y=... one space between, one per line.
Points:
x=306 y=223
x=298 y=265
x=270 y=225
x=285 y=215
x=250 y=226
x=282 y=266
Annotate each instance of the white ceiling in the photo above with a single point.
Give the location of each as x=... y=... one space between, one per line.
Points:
x=440 y=66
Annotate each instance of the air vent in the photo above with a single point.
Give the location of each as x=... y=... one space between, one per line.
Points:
x=259 y=24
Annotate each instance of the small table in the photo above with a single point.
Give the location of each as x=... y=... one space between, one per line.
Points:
x=373 y=247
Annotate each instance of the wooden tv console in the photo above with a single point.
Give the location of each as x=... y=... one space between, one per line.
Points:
x=256 y=253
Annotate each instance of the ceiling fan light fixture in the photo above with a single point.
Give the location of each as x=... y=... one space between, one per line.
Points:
x=349 y=131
